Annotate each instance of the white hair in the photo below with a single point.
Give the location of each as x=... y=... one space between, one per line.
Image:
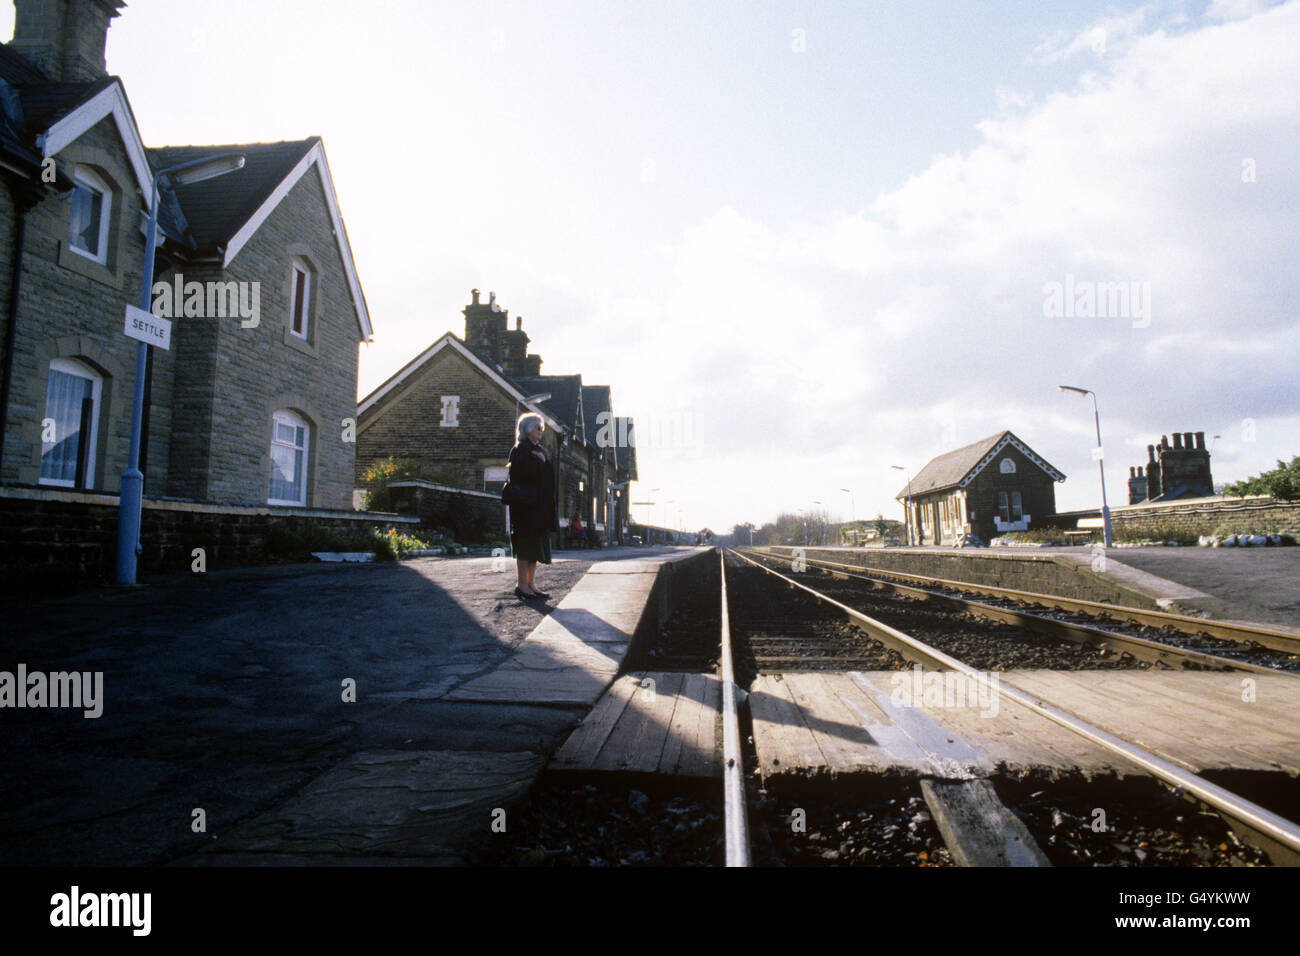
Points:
x=526 y=423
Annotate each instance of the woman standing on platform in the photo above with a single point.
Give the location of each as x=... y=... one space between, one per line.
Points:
x=531 y=520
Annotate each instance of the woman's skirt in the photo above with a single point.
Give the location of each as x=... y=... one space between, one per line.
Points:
x=532 y=547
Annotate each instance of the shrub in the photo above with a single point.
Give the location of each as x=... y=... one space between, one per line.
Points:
x=382 y=473
x=1282 y=482
x=1157 y=531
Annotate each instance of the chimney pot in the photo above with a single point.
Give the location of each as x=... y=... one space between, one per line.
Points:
x=519 y=322
x=474 y=294
x=1178 y=440
x=1164 y=441
x=1151 y=452
x=1200 y=440
x=1187 y=440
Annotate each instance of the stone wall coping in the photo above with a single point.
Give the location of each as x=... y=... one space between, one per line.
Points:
x=206 y=507
x=1215 y=503
x=421 y=483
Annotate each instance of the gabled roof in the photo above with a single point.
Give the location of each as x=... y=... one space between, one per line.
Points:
x=451 y=341
x=61 y=113
x=595 y=399
x=958 y=468
x=224 y=213
x=565 y=402
x=217 y=208
x=626 y=453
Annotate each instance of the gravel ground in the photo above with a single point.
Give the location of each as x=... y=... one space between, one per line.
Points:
x=984 y=645
x=777 y=628
x=690 y=640
x=1145 y=826
x=840 y=831
x=610 y=825
x=1205 y=643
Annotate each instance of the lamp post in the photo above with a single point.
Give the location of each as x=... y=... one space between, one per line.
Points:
x=131 y=494
x=528 y=400
x=854 y=506
x=816 y=502
x=1101 y=466
x=907 y=505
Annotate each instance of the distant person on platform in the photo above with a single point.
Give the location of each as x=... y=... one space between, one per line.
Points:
x=531 y=524
x=576 y=531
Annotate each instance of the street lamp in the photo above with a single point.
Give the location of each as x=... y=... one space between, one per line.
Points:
x=1101 y=467
x=854 y=505
x=816 y=502
x=131 y=493
x=907 y=499
x=529 y=400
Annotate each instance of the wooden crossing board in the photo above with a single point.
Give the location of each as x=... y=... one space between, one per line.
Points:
x=833 y=723
x=652 y=722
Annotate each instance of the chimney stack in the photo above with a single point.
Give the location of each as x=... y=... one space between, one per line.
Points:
x=64 y=38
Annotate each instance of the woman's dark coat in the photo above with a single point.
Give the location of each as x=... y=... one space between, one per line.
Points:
x=529 y=471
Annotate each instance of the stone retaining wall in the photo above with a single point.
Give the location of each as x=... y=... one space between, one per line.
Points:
x=1041 y=573
x=473 y=516
x=49 y=537
x=1193 y=517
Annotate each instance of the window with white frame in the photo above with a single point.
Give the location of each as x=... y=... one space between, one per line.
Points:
x=1004 y=509
x=69 y=427
x=88 y=222
x=1017 y=512
x=289 y=437
x=300 y=298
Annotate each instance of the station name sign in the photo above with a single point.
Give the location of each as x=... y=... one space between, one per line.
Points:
x=148 y=328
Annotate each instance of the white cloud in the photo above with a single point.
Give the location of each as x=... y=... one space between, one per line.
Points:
x=917 y=324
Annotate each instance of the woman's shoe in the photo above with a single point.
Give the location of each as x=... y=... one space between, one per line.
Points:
x=523 y=595
x=543 y=595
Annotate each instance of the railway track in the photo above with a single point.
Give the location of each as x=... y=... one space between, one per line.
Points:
x=1270 y=832
x=1177 y=643
x=1233 y=633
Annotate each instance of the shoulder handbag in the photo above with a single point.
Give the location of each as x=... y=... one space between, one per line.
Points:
x=513 y=494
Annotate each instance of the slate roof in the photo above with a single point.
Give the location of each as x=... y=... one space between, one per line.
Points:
x=16 y=69
x=595 y=399
x=626 y=453
x=949 y=469
x=216 y=209
x=45 y=104
x=566 y=395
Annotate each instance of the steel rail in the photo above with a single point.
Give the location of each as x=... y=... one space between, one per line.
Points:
x=1276 y=833
x=1085 y=634
x=1245 y=633
x=733 y=771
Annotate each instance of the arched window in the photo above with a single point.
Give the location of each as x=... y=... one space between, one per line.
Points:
x=92 y=201
x=290 y=435
x=69 y=426
x=1007 y=466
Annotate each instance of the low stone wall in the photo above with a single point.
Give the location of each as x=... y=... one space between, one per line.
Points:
x=1193 y=517
x=50 y=536
x=473 y=516
x=1041 y=573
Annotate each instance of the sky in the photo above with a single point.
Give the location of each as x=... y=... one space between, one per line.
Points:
x=803 y=241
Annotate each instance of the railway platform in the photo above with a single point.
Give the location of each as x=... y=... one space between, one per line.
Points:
x=312 y=714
